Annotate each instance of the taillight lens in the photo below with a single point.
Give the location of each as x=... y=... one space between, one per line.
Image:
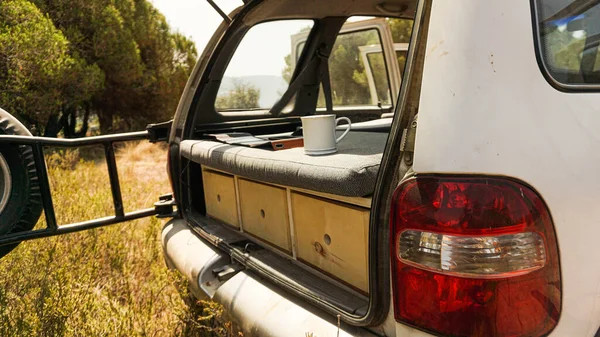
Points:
x=474 y=257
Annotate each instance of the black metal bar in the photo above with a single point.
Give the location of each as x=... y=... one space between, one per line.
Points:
x=52 y=228
x=113 y=175
x=220 y=11
x=75 y=227
x=75 y=142
x=44 y=183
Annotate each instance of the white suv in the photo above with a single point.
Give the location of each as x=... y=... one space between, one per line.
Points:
x=461 y=203
x=481 y=215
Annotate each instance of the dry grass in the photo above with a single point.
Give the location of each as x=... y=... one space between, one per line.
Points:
x=105 y=282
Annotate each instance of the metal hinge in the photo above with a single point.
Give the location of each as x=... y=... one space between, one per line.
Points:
x=165 y=206
x=159 y=132
x=407 y=143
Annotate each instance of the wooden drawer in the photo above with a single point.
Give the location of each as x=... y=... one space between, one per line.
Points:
x=219 y=194
x=332 y=237
x=265 y=213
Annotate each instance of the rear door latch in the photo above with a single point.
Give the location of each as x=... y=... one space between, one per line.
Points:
x=228 y=271
x=159 y=132
x=164 y=207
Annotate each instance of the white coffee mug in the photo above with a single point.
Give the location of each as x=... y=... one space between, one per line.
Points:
x=319 y=134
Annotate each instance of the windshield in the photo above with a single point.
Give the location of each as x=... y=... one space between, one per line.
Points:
x=570 y=35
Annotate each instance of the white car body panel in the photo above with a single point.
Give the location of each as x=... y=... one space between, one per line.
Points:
x=487 y=109
x=262 y=310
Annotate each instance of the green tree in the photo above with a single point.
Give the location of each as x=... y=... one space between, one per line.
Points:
x=167 y=59
x=349 y=82
x=143 y=64
x=347 y=71
x=242 y=96
x=117 y=54
x=287 y=71
x=401 y=29
x=401 y=33
x=35 y=66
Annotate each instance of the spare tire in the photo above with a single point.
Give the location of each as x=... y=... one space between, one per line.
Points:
x=20 y=199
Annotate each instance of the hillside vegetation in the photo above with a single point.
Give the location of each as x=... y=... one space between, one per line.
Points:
x=64 y=62
x=105 y=282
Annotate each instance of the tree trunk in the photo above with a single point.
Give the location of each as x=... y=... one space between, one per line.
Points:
x=72 y=121
x=32 y=124
x=85 y=123
x=106 y=122
x=52 y=126
x=68 y=121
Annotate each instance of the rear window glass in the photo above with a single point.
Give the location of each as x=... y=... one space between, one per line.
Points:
x=569 y=32
x=258 y=73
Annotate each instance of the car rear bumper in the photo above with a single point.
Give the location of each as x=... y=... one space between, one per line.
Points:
x=256 y=306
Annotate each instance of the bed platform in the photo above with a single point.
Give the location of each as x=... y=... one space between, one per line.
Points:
x=351 y=171
x=312 y=209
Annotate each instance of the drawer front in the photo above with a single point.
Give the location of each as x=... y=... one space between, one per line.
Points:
x=219 y=194
x=332 y=237
x=265 y=213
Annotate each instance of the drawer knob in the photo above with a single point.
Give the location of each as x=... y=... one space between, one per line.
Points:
x=327 y=239
x=218 y=197
x=262 y=213
x=318 y=248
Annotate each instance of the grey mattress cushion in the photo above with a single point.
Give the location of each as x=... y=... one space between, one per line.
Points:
x=351 y=171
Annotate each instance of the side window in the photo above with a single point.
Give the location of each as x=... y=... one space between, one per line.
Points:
x=569 y=36
x=358 y=71
x=257 y=75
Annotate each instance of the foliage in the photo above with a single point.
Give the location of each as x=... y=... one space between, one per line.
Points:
x=401 y=29
x=287 y=71
x=349 y=84
x=242 y=96
x=62 y=61
x=565 y=50
x=401 y=32
x=347 y=71
x=104 y=282
x=37 y=73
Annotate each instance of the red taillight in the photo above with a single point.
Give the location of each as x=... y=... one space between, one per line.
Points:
x=474 y=257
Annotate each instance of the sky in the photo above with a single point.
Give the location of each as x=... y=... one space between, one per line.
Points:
x=263 y=49
x=194 y=18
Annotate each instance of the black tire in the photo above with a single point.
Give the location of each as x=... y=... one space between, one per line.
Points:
x=21 y=209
